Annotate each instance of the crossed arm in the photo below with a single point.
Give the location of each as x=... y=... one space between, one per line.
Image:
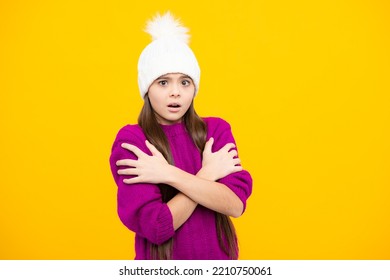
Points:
x=193 y=189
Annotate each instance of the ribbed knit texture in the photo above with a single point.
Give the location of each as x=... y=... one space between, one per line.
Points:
x=140 y=206
x=166 y=56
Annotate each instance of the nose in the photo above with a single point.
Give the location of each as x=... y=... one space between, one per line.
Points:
x=175 y=90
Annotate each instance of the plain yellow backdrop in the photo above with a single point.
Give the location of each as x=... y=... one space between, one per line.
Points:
x=304 y=84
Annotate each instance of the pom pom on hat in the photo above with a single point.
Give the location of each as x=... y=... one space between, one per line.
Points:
x=166 y=26
x=167 y=53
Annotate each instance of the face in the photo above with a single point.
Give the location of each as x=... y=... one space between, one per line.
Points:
x=170 y=96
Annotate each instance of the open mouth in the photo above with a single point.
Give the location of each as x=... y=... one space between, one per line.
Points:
x=174 y=105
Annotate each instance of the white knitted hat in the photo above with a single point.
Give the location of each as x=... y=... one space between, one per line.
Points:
x=167 y=53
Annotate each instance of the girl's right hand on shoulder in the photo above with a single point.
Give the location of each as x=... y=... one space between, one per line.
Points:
x=146 y=169
x=219 y=164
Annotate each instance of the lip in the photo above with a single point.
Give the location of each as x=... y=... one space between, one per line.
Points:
x=174 y=109
x=174 y=104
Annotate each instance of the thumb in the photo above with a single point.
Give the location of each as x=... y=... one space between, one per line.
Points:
x=209 y=145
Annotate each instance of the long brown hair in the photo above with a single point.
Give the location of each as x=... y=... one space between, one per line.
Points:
x=197 y=129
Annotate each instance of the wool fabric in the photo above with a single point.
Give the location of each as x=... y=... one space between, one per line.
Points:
x=140 y=206
x=167 y=53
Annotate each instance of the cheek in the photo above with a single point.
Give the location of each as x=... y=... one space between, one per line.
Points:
x=189 y=95
x=154 y=104
x=189 y=101
x=154 y=98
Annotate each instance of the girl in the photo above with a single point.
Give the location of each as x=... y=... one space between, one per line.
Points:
x=178 y=175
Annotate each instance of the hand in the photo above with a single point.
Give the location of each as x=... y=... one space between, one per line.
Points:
x=219 y=164
x=147 y=169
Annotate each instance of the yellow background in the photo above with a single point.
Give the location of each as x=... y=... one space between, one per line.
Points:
x=304 y=84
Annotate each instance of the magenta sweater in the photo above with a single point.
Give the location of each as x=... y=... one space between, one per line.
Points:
x=140 y=206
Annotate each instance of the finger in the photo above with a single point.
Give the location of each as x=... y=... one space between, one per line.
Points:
x=233 y=153
x=134 y=180
x=133 y=149
x=127 y=162
x=208 y=146
x=153 y=149
x=128 y=171
x=238 y=168
x=228 y=147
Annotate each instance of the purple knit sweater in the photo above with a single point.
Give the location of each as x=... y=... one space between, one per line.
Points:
x=140 y=206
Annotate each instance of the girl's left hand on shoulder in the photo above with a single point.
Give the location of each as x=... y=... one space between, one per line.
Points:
x=147 y=169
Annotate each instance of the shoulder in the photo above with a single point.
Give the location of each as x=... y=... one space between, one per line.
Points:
x=132 y=130
x=215 y=122
x=215 y=125
x=131 y=133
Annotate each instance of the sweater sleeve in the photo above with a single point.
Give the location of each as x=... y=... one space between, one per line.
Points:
x=239 y=182
x=140 y=206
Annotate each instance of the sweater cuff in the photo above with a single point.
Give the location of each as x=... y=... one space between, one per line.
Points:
x=241 y=193
x=165 y=225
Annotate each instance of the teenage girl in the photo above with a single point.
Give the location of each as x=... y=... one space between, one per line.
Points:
x=179 y=177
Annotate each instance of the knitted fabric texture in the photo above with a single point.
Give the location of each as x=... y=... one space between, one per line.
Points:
x=140 y=206
x=167 y=53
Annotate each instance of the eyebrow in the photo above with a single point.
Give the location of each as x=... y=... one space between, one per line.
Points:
x=167 y=78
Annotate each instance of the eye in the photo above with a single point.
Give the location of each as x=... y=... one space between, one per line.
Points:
x=186 y=82
x=163 y=82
